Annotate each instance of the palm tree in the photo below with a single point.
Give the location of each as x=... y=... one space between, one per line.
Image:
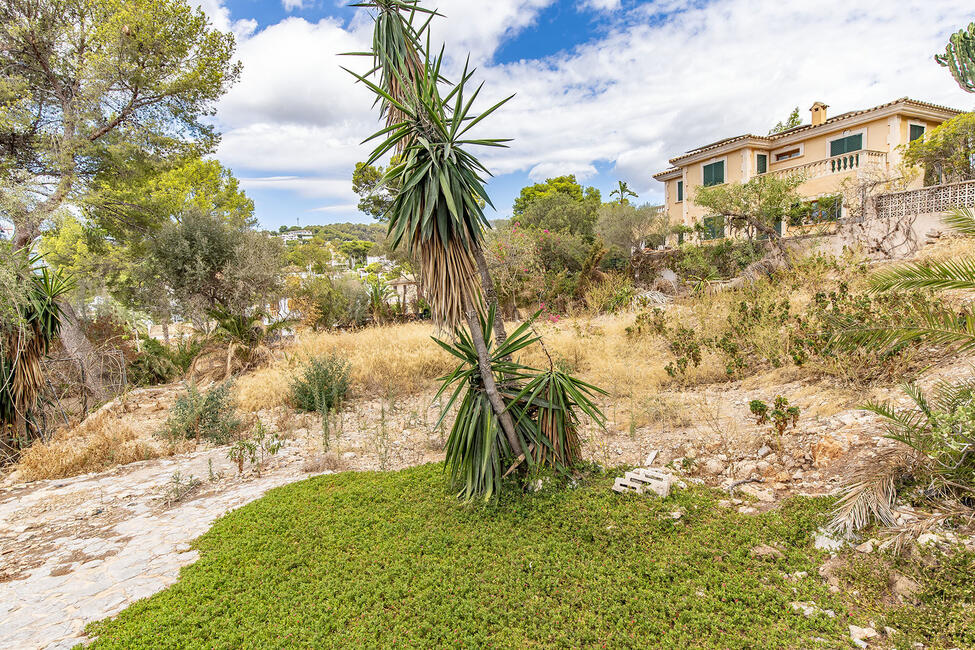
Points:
x=947 y=463
x=623 y=191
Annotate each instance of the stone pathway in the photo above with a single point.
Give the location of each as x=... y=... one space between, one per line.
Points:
x=82 y=549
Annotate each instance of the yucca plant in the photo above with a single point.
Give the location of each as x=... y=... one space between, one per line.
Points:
x=438 y=215
x=24 y=341
x=545 y=405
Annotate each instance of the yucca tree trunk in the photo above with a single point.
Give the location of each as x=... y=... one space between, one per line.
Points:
x=490 y=295
x=490 y=385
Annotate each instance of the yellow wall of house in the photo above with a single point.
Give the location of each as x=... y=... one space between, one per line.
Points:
x=888 y=135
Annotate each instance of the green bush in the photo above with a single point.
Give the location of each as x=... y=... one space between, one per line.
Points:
x=160 y=364
x=322 y=384
x=210 y=416
x=720 y=260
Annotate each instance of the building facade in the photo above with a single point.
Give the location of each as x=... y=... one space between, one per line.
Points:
x=825 y=152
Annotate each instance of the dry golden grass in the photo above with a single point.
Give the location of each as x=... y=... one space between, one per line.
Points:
x=947 y=248
x=100 y=442
x=393 y=359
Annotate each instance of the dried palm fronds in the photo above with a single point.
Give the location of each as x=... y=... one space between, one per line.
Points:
x=941 y=513
x=871 y=490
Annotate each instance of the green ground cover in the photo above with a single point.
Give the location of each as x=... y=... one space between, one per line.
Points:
x=392 y=560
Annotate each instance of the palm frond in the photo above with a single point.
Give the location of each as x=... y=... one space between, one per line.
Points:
x=933 y=324
x=942 y=275
x=869 y=493
x=961 y=220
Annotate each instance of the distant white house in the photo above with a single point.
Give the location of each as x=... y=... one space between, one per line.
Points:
x=296 y=235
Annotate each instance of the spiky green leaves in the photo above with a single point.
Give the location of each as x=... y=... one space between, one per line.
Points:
x=437 y=212
x=546 y=406
x=26 y=343
x=959 y=58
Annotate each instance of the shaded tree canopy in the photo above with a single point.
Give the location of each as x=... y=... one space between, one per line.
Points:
x=627 y=226
x=757 y=206
x=375 y=198
x=790 y=122
x=559 y=212
x=209 y=264
x=91 y=83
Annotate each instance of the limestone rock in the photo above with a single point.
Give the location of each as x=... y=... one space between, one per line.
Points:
x=764 y=550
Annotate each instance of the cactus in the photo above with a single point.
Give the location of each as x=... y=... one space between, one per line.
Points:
x=959 y=58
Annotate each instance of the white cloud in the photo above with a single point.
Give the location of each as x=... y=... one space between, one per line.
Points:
x=220 y=17
x=672 y=75
x=295 y=5
x=600 y=5
x=480 y=26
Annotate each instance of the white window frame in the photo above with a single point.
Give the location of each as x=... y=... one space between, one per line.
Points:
x=846 y=134
x=911 y=123
x=768 y=161
x=774 y=154
x=705 y=163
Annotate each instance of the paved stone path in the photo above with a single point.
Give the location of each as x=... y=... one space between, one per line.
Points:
x=82 y=549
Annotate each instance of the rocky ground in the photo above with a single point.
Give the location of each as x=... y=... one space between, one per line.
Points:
x=81 y=549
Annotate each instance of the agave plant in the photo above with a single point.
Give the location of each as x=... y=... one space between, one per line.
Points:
x=25 y=342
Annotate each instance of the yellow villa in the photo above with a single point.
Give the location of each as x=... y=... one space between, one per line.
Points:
x=825 y=152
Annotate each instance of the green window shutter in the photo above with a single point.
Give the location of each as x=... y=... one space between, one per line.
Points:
x=762 y=163
x=846 y=145
x=714 y=174
x=680 y=190
x=917 y=132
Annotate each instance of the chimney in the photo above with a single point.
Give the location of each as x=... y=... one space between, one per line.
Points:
x=818 y=111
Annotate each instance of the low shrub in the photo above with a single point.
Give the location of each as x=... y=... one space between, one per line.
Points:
x=720 y=260
x=762 y=327
x=322 y=384
x=612 y=295
x=210 y=416
x=160 y=364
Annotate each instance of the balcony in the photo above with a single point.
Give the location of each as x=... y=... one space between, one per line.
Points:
x=855 y=161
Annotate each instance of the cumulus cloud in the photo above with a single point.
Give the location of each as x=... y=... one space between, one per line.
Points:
x=666 y=77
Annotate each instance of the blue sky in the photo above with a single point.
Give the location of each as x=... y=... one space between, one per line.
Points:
x=606 y=89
